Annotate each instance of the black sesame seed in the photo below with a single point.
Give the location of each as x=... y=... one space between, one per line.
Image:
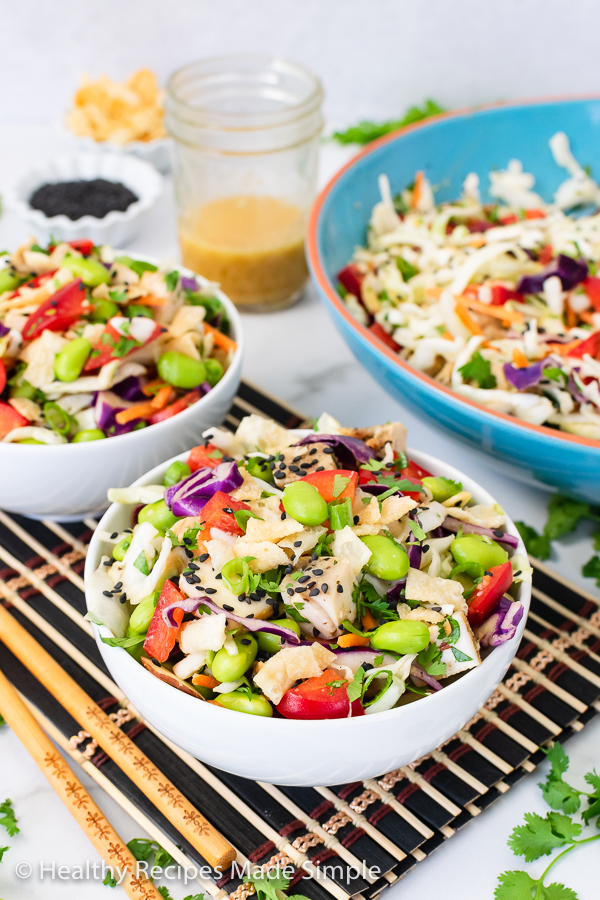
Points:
x=272 y=602
x=300 y=590
x=303 y=579
x=192 y=566
x=283 y=515
x=282 y=464
x=114 y=535
x=245 y=641
x=128 y=531
x=279 y=474
x=123 y=598
x=487 y=573
x=297 y=458
x=270 y=457
x=425 y=548
x=254 y=596
x=305 y=465
x=436 y=608
x=324 y=588
x=516 y=574
x=203 y=558
x=189 y=553
x=355 y=520
x=320 y=469
x=311 y=584
x=108 y=562
x=118 y=586
x=314 y=556
x=288 y=570
x=218 y=577
x=227 y=459
x=261 y=592
x=290 y=591
x=317 y=571
x=327 y=450
x=155 y=661
x=366 y=666
x=294 y=469
x=316 y=632
x=271 y=465
x=312 y=452
x=340 y=589
x=314 y=592
x=208 y=590
x=297 y=543
x=187 y=541
x=498 y=533
x=227 y=509
x=107 y=593
x=228 y=608
x=250 y=616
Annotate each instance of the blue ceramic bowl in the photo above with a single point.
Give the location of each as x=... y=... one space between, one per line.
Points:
x=447 y=148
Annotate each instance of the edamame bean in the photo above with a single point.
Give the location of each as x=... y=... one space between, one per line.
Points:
x=71 y=359
x=120 y=549
x=132 y=311
x=91 y=434
x=142 y=614
x=24 y=390
x=271 y=643
x=259 y=467
x=181 y=370
x=442 y=488
x=253 y=704
x=303 y=502
x=229 y=668
x=9 y=281
x=403 y=636
x=103 y=310
x=177 y=471
x=158 y=514
x=214 y=371
x=477 y=548
x=91 y=272
x=388 y=559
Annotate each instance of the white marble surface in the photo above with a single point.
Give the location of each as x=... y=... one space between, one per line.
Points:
x=308 y=366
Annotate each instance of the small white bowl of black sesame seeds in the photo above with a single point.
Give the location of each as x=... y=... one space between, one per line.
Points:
x=102 y=196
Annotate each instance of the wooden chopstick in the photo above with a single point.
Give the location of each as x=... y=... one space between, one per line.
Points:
x=131 y=760
x=71 y=791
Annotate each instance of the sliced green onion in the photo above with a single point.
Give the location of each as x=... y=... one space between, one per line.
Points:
x=58 y=419
x=340 y=513
x=236 y=576
x=388 y=681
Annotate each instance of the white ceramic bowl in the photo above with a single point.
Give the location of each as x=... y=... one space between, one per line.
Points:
x=286 y=751
x=66 y=482
x=156 y=152
x=116 y=228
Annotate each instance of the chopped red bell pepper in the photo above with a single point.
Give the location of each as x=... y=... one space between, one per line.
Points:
x=351 y=278
x=204 y=457
x=488 y=592
x=9 y=419
x=325 y=483
x=414 y=472
x=2 y=376
x=501 y=295
x=591 y=286
x=37 y=282
x=161 y=637
x=535 y=214
x=478 y=226
x=114 y=344
x=380 y=332
x=365 y=476
x=218 y=513
x=58 y=312
x=590 y=345
x=175 y=408
x=318 y=698
x=83 y=245
x=509 y=220
x=546 y=254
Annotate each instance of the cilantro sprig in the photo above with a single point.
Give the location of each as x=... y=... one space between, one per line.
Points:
x=366 y=131
x=542 y=835
x=480 y=370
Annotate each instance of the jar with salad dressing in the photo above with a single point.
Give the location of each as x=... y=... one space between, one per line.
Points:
x=246 y=130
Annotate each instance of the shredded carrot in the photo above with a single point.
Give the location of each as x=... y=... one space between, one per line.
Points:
x=496 y=312
x=571 y=316
x=163 y=397
x=150 y=300
x=466 y=319
x=535 y=214
x=353 y=640
x=368 y=621
x=216 y=703
x=417 y=190
x=433 y=293
x=587 y=317
x=205 y=681
x=221 y=340
x=565 y=349
x=519 y=359
x=447 y=336
x=138 y=411
x=151 y=389
x=477 y=241
x=472 y=290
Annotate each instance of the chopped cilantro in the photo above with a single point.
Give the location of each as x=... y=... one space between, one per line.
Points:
x=480 y=370
x=118 y=296
x=592 y=569
x=268 y=883
x=431 y=660
x=136 y=265
x=365 y=131
x=293 y=611
x=241 y=516
x=459 y=656
x=141 y=564
x=8 y=818
x=125 y=642
x=406 y=269
x=340 y=483
x=171 y=279
x=416 y=530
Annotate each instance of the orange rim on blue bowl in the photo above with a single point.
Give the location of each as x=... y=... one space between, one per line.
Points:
x=325 y=284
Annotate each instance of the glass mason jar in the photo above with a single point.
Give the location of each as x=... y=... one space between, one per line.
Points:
x=246 y=130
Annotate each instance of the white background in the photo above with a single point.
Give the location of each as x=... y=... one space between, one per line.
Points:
x=375 y=58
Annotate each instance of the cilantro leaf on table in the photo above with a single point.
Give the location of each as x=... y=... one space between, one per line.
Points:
x=558 y=793
x=3 y=851
x=267 y=884
x=163 y=890
x=366 y=131
x=515 y=886
x=194 y=897
x=536 y=838
x=591 y=569
x=556 y=891
x=537 y=545
x=564 y=515
x=109 y=880
x=480 y=370
x=593 y=799
x=8 y=818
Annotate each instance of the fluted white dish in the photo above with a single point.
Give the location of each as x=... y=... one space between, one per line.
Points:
x=67 y=482
x=116 y=228
x=294 y=752
x=157 y=152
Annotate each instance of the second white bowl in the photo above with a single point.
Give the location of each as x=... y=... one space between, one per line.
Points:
x=287 y=751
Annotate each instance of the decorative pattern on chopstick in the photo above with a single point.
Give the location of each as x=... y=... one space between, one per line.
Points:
x=73 y=794
x=137 y=766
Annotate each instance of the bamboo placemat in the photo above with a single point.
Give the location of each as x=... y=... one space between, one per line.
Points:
x=332 y=835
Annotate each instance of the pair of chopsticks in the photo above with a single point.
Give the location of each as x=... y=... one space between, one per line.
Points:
x=211 y=845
